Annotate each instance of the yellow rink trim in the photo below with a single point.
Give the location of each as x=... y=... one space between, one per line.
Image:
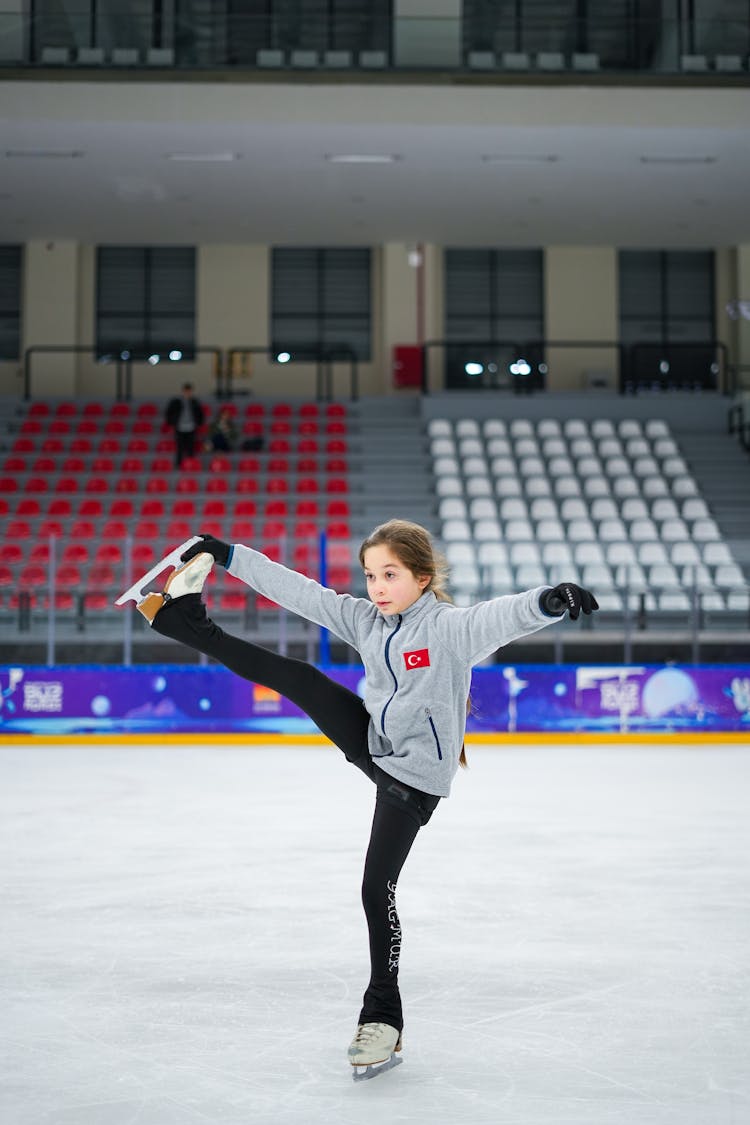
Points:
x=542 y=738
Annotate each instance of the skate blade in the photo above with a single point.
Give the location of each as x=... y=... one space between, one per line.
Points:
x=372 y=1070
x=135 y=592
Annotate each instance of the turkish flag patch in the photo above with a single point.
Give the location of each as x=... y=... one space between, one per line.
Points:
x=418 y=659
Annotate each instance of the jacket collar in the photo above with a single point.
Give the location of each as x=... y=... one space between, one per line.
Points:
x=414 y=612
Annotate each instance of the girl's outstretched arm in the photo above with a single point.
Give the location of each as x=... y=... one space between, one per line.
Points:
x=343 y=614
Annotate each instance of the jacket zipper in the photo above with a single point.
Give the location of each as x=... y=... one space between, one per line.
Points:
x=434 y=732
x=390 y=669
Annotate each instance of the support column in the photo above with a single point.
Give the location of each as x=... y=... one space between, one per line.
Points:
x=50 y=303
x=743 y=295
x=427 y=33
x=581 y=304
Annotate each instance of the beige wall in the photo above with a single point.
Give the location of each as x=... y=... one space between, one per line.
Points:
x=233 y=310
x=580 y=293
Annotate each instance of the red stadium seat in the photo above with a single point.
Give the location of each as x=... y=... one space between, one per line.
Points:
x=255 y=410
x=87 y=426
x=215 y=508
x=178 y=529
x=144 y=554
x=308 y=428
x=7 y=577
x=277 y=508
x=146 y=530
x=338 y=508
x=242 y=531
x=93 y=409
x=101 y=484
x=335 y=410
x=51 y=527
x=337 y=484
x=15 y=465
x=69 y=576
x=191 y=465
x=44 y=465
x=152 y=507
x=119 y=410
x=114 y=426
x=160 y=465
x=335 y=427
x=245 y=508
x=307 y=485
x=130 y=464
x=66 y=409
x=114 y=529
x=36 y=484
x=59 y=426
x=248 y=465
x=305 y=529
x=279 y=445
x=101 y=575
x=80 y=445
x=184 y=508
x=308 y=445
x=143 y=426
x=281 y=426
x=252 y=429
x=188 y=484
x=281 y=410
x=31 y=426
x=233 y=601
x=77 y=465
x=39 y=410
x=75 y=553
x=336 y=465
x=122 y=508
x=147 y=410
x=82 y=529
x=278 y=465
x=122 y=484
x=273 y=529
x=339 y=529
x=220 y=465
x=11 y=553
x=309 y=410
x=108 y=553
x=246 y=484
x=138 y=445
x=157 y=484
x=23 y=445
x=17 y=529
x=89 y=508
x=277 y=485
x=217 y=484
x=109 y=445
x=306 y=508
x=60 y=507
x=52 y=445
x=32 y=577
x=307 y=465
x=40 y=552
x=8 y=484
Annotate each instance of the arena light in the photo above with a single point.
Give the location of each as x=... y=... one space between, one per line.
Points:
x=175 y=355
x=473 y=369
x=520 y=367
x=363 y=158
x=283 y=357
x=154 y=359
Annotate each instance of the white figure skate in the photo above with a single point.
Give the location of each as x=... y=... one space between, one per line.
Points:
x=374 y=1050
x=135 y=592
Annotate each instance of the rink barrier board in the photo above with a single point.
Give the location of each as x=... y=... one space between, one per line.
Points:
x=503 y=738
x=515 y=702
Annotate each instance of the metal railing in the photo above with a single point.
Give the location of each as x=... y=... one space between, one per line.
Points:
x=489 y=37
x=524 y=366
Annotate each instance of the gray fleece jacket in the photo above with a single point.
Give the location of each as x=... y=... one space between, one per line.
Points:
x=417 y=664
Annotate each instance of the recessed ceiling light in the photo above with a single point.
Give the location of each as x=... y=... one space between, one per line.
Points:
x=678 y=160
x=363 y=158
x=204 y=157
x=520 y=158
x=42 y=154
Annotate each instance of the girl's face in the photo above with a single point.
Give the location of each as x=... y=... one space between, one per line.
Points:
x=390 y=584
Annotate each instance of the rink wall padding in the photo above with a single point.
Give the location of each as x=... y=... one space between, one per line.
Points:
x=178 y=703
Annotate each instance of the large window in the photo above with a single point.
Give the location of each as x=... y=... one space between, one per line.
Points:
x=494 y=317
x=11 y=258
x=145 y=301
x=320 y=302
x=666 y=313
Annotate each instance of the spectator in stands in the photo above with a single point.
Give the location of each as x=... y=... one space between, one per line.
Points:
x=185 y=415
x=222 y=433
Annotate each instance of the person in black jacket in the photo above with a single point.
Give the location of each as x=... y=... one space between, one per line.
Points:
x=185 y=415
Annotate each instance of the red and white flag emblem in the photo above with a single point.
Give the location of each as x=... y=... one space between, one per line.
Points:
x=418 y=659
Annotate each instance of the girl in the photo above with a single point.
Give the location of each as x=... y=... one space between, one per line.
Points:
x=407 y=734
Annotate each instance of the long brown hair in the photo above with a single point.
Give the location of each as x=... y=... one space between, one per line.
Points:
x=413 y=546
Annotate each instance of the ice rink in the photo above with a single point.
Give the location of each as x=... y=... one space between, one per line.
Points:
x=182 y=941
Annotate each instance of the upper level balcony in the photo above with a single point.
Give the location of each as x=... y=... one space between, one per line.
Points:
x=474 y=40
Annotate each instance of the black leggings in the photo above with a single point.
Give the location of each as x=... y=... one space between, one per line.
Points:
x=400 y=810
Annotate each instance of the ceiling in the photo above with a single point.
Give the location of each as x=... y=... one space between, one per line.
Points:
x=566 y=165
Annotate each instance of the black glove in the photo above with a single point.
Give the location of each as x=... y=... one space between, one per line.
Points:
x=568 y=596
x=211 y=546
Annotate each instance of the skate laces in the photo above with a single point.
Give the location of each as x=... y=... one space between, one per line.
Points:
x=366 y=1032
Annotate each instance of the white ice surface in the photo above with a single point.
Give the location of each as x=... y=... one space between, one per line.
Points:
x=182 y=941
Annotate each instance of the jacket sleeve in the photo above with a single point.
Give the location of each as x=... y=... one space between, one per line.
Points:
x=343 y=614
x=477 y=631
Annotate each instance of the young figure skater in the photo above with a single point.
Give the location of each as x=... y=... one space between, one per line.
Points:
x=407 y=734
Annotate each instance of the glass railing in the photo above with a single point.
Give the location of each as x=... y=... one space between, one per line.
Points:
x=175 y=38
